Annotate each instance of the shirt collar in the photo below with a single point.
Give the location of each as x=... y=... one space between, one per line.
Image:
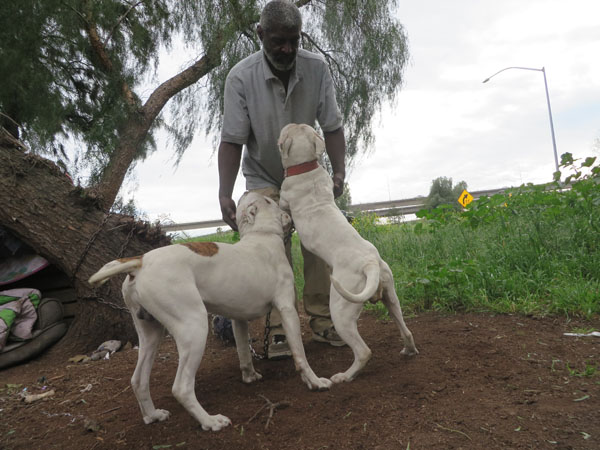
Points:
x=295 y=76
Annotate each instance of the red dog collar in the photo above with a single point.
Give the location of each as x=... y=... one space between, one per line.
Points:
x=300 y=168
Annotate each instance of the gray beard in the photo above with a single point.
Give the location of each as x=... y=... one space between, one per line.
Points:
x=279 y=66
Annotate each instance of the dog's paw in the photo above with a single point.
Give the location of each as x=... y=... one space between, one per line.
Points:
x=323 y=384
x=409 y=351
x=251 y=376
x=215 y=423
x=318 y=384
x=158 y=415
x=340 y=378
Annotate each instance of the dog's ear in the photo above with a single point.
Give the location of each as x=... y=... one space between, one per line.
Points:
x=319 y=144
x=250 y=214
x=284 y=143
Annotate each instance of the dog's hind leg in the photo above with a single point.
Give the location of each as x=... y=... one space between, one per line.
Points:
x=190 y=331
x=392 y=303
x=345 y=317
x=242 y=343
x=150 y=333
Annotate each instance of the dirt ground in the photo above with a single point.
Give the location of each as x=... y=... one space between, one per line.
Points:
x=480 y=381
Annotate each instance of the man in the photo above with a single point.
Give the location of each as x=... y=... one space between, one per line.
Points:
x=278 y=85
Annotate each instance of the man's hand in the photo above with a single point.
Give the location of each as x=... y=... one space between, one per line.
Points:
x=228 y=210
x=338 y=185
x=229 y=165
x=335 y=144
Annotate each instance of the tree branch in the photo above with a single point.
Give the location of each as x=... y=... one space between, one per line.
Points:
x=325 y=53
x=80 y=14
x=301 y=3
x=109 y=37
x=99 y=50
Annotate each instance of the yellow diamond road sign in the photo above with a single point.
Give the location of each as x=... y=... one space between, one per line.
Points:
x=465 y=198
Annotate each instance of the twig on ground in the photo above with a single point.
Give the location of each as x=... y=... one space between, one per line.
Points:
x=111 y=410
x=272 y=407
x=453 y=431
x=116 y=395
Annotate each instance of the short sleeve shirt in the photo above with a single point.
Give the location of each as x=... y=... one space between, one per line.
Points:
x=257 y=108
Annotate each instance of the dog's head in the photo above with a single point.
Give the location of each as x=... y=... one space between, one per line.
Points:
x=299 y=143
x=255 y=212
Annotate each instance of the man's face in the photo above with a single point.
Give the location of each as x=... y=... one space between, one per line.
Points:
x=280 y=46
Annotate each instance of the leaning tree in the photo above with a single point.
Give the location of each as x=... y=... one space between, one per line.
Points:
x=76 y=73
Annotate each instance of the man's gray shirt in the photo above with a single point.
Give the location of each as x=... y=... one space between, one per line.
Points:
x=257 y=108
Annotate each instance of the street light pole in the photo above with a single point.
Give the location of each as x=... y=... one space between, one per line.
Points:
x=543 y=70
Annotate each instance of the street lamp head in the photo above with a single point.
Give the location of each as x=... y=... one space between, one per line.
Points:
x=486 y=80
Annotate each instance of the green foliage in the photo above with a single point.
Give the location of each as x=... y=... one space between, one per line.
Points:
x=442 y=192
x=367 y=51
x=589 y=371
x=53 y=84
x=366 y=225
x=533 y=250
x=344 y=200
x=227 y=237
x=364 y=45
x=48 y=52
x=128 y=209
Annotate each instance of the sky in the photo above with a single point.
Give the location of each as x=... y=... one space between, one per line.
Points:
x=445 y=121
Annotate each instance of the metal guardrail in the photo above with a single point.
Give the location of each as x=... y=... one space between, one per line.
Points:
x=401 y=207
x=193 y=225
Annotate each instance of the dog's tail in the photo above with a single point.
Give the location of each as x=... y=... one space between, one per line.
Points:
x=113 y=268
x=371 y=271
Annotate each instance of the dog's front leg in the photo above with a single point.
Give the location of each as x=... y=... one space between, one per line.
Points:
x=242 y=343
x=284 y=205
x=291 y=326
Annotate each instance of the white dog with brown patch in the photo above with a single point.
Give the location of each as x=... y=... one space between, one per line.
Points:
x=178 y=284
x=358 y=272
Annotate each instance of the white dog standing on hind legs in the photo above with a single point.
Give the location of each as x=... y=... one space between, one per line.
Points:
x=178 y=284
x=307 y=192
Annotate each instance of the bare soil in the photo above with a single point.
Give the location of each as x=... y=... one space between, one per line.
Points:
x=480 y=381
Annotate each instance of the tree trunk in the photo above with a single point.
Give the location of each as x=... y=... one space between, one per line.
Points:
x=40 y=206
x=135 y=130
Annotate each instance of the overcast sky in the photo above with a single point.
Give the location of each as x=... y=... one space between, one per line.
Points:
x=446 y=122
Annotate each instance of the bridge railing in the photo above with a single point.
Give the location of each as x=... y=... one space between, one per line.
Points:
x=399 y=207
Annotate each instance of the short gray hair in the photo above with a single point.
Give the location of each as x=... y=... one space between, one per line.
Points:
x=280 y=13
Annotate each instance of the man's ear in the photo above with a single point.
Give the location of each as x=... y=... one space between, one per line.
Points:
x=319 y=145
x=260 y=32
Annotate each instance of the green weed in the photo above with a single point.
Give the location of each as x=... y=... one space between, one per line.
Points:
x=589 y=371
x=532 y=250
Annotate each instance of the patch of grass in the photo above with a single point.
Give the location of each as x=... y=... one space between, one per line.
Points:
x=532 y=250
x=589 y=371
x=583 y=330
x=228 y=237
